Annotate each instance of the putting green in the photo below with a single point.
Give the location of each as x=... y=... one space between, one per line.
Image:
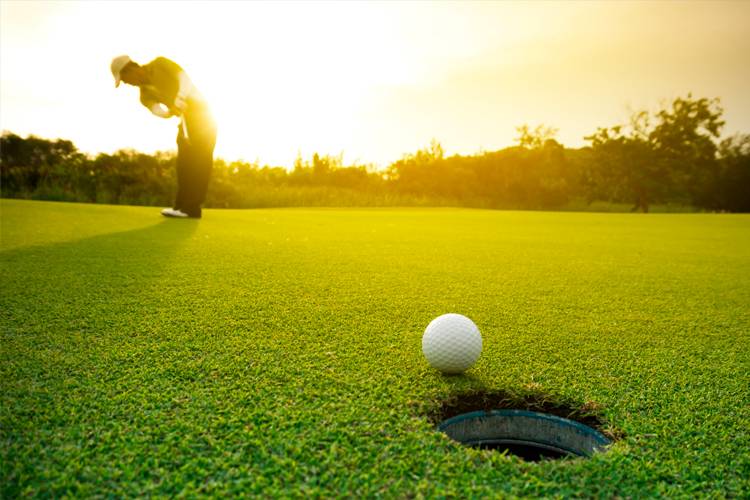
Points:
x=278 y=352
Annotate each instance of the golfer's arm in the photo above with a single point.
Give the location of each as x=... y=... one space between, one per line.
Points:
x=153 y=105
x=186 y=85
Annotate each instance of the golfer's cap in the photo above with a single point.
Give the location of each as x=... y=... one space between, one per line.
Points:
x=118 y=63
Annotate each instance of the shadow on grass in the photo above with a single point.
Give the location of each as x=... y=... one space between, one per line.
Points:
x=75 y=329
x=164 y=235
x=87 y=275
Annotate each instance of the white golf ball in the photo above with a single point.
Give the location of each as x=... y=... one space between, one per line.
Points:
x=452 y=343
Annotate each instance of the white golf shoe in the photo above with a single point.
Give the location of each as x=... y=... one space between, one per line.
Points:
x=173 y=212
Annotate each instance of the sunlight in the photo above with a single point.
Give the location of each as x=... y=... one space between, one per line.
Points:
x=279 y=72
x=280 y=78
x=373 y=80
x=299 y=71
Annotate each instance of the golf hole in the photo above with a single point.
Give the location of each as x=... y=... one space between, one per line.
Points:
x=532 y=426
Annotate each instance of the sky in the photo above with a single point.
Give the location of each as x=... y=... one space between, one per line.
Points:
x=369 y=80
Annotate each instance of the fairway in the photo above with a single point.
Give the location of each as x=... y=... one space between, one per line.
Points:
x=278 y=352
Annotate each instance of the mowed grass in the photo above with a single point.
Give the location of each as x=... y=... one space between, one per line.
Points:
x=278 y=352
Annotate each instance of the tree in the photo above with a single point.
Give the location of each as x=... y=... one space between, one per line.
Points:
x=625 y=168
x=733 y=186
x=686 y=139
x=536 y=138
x=27 y=164
x=671 y=156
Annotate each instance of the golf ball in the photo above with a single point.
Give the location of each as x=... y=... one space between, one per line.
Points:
x=452 y=343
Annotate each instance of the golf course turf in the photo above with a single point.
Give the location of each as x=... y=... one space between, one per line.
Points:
x=278 y=352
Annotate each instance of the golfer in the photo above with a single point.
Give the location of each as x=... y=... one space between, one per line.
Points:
x=166 y=90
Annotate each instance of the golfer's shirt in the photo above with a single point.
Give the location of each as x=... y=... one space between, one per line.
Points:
x=168 y=83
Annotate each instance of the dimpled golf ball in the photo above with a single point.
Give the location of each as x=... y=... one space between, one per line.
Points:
x=452 y=343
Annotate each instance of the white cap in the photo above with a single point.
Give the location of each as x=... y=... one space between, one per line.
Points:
x=118 y=63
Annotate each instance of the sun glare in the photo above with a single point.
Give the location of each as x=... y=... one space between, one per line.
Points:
x=272 y=72
x=372 y=80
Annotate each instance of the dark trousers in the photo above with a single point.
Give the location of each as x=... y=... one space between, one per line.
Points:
x=195 y=159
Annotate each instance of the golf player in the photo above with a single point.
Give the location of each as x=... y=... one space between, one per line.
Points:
x=166 y=90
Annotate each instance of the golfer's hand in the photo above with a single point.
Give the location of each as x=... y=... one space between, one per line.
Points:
x=160 y=111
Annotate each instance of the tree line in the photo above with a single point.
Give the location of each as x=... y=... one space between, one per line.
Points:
x=675 y=155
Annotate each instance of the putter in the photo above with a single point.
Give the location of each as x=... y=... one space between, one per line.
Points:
x=183 y=124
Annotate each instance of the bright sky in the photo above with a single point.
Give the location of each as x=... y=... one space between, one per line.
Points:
x=371 y=80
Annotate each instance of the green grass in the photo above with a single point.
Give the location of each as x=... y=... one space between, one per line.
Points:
x=278 y=352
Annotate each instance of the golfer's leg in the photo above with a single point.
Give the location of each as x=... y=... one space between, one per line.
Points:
x=190 y=181
x=183 y=174
x=201 y=163
x=199 y=174
x=202 y=176
x=204 y=165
